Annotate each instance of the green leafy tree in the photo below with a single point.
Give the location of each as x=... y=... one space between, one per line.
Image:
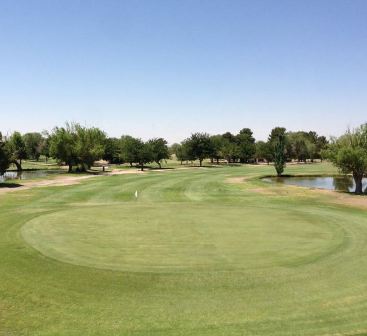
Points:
x=159 y=150
x=217 y=143
x=45 y=146
x=199 y=147
x=230 y=148
x=263 y=151
x=298 y=145
x=144 y=153
x=321 y=145
x=277 y=140
x=181 y=151
x=33 y=144
x=246 y=145
x=17 y=149
x=349 y=154
x=63 y=145
x=90 y=145
x=129 y=149
x=112 y=151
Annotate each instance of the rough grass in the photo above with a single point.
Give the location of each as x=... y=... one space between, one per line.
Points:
x=201 y=252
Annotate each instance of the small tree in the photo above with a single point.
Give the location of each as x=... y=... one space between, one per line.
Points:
x=277 y=140
x=45 y=146
x=159 y=150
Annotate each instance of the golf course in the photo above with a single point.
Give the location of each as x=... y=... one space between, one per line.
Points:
x=191 y=251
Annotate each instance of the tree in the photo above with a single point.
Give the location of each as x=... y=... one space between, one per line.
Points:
x=181 y=151
x=63 y=145
x=230 y=148
x=277 y=140
x=321 y=145
x=298 y=146
x=17 y=149
x=246 y=145
x=90 y=145
x=199 y=146
x=144 y=153
x=217 y=143
x=77 y=145
x=159 y=150
x=263 y=151
x=129 y=149
x=112 y=151
x=349 y=154
x=45 y=146
x=4 y=156
x=33 y=144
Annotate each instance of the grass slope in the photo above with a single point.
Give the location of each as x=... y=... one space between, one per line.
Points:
x=196 y=254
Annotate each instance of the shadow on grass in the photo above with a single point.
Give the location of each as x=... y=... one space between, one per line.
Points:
x=10 y=185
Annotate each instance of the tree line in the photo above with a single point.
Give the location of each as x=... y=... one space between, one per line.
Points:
x=79 y=147
x=242 y=147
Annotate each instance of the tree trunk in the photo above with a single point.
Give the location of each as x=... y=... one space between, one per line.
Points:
x=217 y=161
x=358 y=180
x=159 y=164
x=131 y=164
x=18 y=165
x=201 y=162
x=142 y=166
x=70 y=170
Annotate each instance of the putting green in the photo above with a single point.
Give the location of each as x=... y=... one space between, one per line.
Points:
x=135 y=238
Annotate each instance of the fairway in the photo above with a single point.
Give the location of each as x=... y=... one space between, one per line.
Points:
x=212 y=251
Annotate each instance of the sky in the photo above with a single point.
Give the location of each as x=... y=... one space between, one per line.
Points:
x=167 y=68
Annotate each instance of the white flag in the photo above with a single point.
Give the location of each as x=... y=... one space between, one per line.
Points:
x=136 y=194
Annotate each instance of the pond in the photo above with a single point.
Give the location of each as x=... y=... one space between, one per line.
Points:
x=28 y=174
x=339 y=183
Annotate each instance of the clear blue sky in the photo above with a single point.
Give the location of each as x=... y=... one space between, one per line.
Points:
x=169 y=68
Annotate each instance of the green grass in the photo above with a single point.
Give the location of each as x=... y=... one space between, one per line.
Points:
x=195 y=254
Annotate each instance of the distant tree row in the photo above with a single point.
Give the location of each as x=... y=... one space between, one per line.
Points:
x=281 y=146
x=20 y=147
x=79 y=147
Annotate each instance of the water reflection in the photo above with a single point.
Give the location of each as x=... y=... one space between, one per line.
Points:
x=340 y=183
x=27 y=174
